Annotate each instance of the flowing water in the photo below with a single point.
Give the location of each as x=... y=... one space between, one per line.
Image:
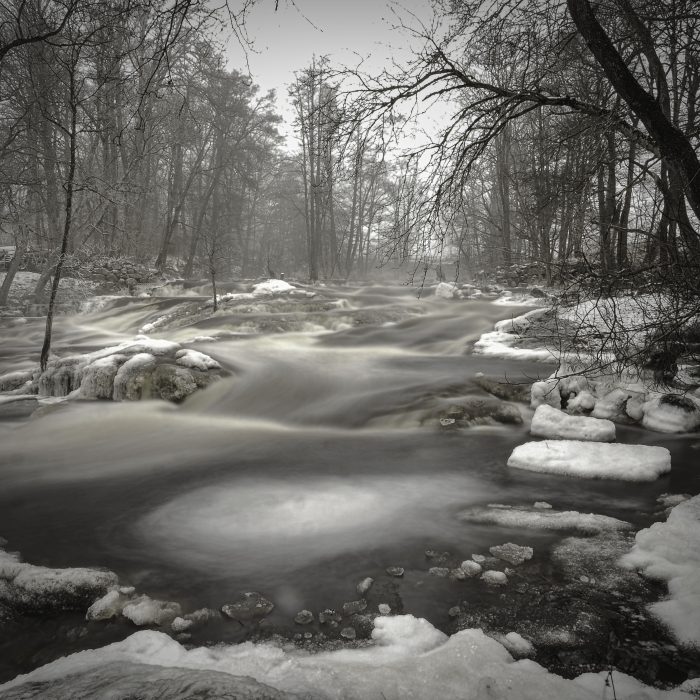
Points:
x=318 y=462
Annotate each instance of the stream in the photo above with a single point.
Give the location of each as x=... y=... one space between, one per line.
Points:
x=319 y=461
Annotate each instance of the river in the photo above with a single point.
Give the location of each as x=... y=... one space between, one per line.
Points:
x=318 y=462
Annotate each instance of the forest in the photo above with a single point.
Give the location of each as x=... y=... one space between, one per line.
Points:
x=383 y=383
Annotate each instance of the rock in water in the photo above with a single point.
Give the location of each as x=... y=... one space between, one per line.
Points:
x=147 y=611
x=550 y=422
x=397 y=571
x=470 y=568
x=364 y=585
x=354 y=606
x=304 y=617
x=251 y=606
x=494 y=578
x=512 y=553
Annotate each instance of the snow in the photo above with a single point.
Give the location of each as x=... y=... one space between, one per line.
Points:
x=446 y=290
x=663 y=416
x=545 y=392
x=196 y=360
x=592 y=460
x=670 y=551
x=548 y=519
x=272 y=286
x=107 y=607
x=517 y=645
x=500 y=344
x=410 y=660
x=549 y=422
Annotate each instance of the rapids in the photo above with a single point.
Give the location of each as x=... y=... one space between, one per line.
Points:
x=318 y=462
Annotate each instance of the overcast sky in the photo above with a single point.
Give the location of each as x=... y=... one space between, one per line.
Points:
x=345 y=30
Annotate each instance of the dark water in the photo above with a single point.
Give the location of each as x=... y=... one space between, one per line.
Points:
x=318 y=462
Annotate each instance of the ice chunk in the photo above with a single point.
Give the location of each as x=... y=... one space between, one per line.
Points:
x=196 y=360
x=592 y=460
x=107 y=607
x=500 y=344
x=671 y=414
x=670 y=551
x=129 y=380
x=536 y=519
x=551 y=423
x=147 y=611
x=517 y=645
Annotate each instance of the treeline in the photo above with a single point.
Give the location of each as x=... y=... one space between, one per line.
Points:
x=572 y=138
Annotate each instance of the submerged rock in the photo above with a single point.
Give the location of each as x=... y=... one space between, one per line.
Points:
x=364 y=585
x=512 y=553
x=329 y=615
x=348 y=633
x=251 y=606
x=396 y=571
x=354 y=606
x=304 y=617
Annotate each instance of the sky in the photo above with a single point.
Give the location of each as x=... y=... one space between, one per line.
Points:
x=347 y=31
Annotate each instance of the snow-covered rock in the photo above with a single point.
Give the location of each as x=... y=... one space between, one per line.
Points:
x=671 y=414
x=272 y=286
x=512 y=553
x=446 y=290
x=550 y=422
x=195 y=360
x=592 y=460
x=39 y=587
x=11 y=381
x=409 y=659
x=670 y=551
x=543 y=519
x=613 y=406
x=545 y=392
x=132 y=375
x=582 y=403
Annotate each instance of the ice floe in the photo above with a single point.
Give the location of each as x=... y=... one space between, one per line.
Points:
x=536 y=518
x=549 y=422
x=592 y=460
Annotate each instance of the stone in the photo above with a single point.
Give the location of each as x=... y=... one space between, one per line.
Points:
x=329 y=615
x=479 y=558
x=454 y=611
x=384 y=609
x=494 y=578
x=348 y=633
x=439 y=571
x=470 y=568
x=397 y=571
x=512 y=553
x=364 y=585
x=458 y=574
x=436 y=556
x=304 y=617
x=251 y=606
x=354 y=606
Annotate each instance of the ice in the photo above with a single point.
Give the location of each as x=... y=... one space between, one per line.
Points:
x=40 y=587
x=500 y=344
x=107 y=607
x=670 y=551
x=98 y=377
x=517 y=645
x=592 y=460
x=272 y=286
x=549 y=422
x=549 y=519
x=129 y=380
x=410 y=660
x=193 y=359
x=669 y=414
x=144 y=611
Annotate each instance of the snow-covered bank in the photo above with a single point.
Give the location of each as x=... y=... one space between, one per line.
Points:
x=409 y=659
x=670 y=551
